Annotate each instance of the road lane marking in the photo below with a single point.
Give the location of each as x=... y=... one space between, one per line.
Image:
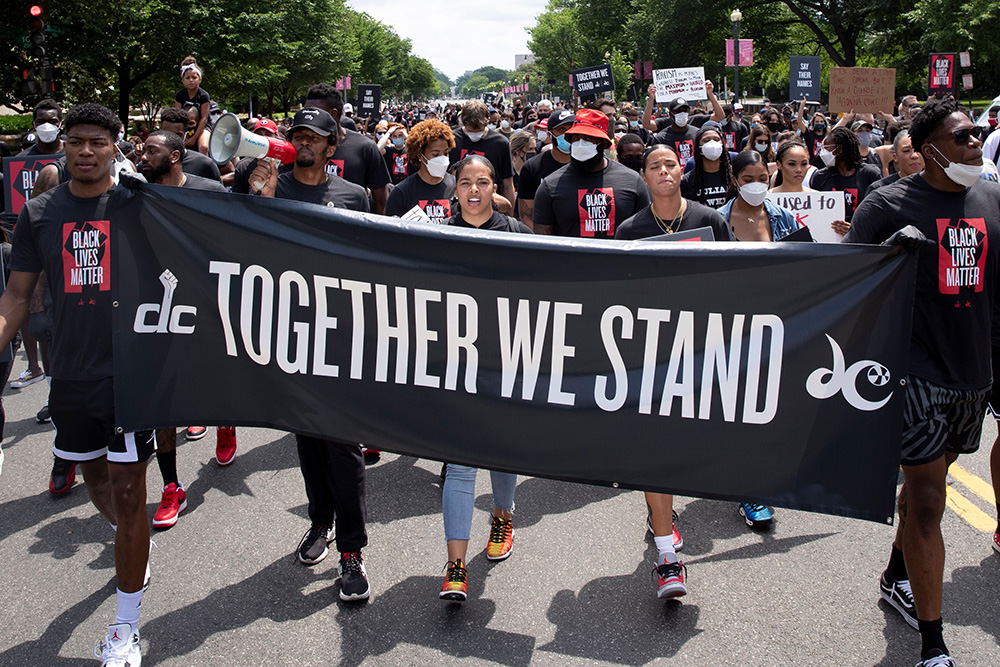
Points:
x=972 y=515
x=973 y=483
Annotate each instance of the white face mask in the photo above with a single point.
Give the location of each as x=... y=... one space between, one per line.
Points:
x=582 y=150
x=437 y=166
x=474 y=136
x=828 y=158
x=754 y=193
x=47 y=133
x=681 y=119
x=712 y=150
x=760 y=147
x=491 y=126
x=543 y=135
x=962 y=174
x=505 y=124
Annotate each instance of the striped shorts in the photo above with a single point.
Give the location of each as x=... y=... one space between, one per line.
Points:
x=937 y=419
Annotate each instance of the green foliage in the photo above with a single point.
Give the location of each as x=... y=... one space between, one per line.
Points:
x=18 y=124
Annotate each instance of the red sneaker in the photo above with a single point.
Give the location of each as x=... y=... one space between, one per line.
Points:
x=195 y=432
x=172 y=503
x=225 y=445
x=62 y=477
x=669 y=580
x=996 y=540
x=371 y=455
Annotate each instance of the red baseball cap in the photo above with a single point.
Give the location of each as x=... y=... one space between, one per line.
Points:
x=265 y=124
x=543 y=124
x=590 y=123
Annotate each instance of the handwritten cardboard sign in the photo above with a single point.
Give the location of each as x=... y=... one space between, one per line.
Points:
x=815 y=210
x=870 y=89
x=686 y=82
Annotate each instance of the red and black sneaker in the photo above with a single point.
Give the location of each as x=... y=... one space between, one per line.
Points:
x=371 y=455
x=63 y=476
x=670 y=580
x=996 y=541
x=172 y=503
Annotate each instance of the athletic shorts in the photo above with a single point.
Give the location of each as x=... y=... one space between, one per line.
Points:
x=938 y=420
x=995 y=395
x=83 y=413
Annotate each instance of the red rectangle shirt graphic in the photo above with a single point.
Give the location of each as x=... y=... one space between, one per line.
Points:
x=86 y=256
x=597 y=212
x=963 y=246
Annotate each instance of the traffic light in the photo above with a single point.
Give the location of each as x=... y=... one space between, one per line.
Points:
x=37 y=37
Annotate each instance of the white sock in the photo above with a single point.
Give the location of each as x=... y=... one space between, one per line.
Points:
x=128 y=608
x=665 y=547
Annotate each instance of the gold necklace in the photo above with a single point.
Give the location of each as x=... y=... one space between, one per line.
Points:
x=674 y=224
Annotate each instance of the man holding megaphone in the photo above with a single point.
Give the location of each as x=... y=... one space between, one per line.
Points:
x=333 y=470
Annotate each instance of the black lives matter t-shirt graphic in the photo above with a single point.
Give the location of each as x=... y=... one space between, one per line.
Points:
x=86 y=256
x=597 y=212
x=438 y=210
x=685 y=149
x=963 y=245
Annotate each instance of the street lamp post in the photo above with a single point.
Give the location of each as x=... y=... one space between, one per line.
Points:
x=735 y=17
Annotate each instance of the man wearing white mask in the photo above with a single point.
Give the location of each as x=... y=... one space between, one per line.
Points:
x=475 y=138
x=591 y=195
x=47 y=121
x=948 y=379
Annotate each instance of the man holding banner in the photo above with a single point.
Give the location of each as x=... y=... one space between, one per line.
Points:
x=948 y=382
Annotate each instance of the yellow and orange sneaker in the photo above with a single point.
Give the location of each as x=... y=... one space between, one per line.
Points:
x=456 y=582
x=501 y=539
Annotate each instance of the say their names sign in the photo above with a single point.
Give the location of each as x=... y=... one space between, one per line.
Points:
x=686 y=82
x=816 y=210
x=869 y=89
x=803 y=78
x=369 y=100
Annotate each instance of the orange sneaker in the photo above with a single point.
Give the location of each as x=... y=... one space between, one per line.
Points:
x=501 y=539
x=456 y=582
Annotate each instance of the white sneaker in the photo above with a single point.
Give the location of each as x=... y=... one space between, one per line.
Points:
x=120 y=647
x=1 y=471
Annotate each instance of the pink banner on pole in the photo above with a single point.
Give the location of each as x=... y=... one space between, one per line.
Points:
x=729 y=53
x=648 y=69
x=746 y=53
x=637 y=69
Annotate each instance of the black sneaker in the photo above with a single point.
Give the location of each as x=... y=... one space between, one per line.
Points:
x=63 y=476
x=353 y=579
x=313 y=547
x=899 y=595
x=43 y=415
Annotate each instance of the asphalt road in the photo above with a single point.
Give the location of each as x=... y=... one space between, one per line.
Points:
x=227 y=590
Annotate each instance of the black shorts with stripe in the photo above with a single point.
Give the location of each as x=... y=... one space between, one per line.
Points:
x=83 y=413
x=937 y=419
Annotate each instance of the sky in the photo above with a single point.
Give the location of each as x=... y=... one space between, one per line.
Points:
x=460 y=36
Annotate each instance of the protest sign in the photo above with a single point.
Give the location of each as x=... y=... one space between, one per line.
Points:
x=369 y=101
x=686 y=82
x=803 y=78
x=495 y=351
x=592 y=81
x=815 y=210
x=19 y=175
x=941 y=75
x=862 y=89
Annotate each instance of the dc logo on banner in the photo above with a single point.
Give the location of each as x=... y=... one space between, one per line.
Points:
x=825 y=383
x=168 y=316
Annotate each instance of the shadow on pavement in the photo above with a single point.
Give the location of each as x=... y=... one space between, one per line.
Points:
x=651 y=629
x=62 y=539
x=28 y=512
x=537 y=498
x=971 y=584
x=400 y=489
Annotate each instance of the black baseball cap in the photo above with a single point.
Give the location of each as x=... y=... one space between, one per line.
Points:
x=677 y=104
x=561 y=117
x=314 y=119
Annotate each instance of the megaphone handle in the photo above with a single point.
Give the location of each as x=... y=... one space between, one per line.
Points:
x=266 y=187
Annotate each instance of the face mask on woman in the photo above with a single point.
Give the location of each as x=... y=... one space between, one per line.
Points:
x=635 y=123
x=754 y=193
x=828 y=158
x=760 y=146
x=398 y=142
x=437 y=166
x=712 y=150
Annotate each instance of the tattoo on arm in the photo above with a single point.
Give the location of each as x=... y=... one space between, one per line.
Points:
x=47 y=179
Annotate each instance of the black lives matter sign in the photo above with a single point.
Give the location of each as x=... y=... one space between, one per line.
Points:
x=593 y=80
x=941 y=75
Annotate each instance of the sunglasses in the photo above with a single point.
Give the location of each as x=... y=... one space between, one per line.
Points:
x=962 y=136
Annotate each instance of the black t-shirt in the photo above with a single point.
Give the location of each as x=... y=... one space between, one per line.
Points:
x=829 y=179
x=33 y=150
x=69 y=238
x=888 y=180
x=359 y=161
x=336 y=192
x=533 y=171
x=814 y=142
x=956 y=276
x=397 y=163
x=493 y=146
x=643 y=225
x=734 y=133
x=200 y=97
x=199 y=164
x=873 y=159
x=589 y=204
x=498 y=222
x=241 y=175
x=198 y=183
x=712 y=193
x=683 y=141
x=434 y=200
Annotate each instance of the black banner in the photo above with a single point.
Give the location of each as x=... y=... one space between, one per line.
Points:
x=941 y=75
x=592 y=81
x=19 y=175
x=756 y=372
x=369 y=101
x=803 y=78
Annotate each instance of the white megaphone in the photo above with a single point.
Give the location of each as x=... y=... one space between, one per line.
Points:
x=230 y=139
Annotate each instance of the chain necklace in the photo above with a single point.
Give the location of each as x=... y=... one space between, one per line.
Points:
x=674 y=224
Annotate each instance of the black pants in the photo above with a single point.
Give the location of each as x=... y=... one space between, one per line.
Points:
x=334 y=473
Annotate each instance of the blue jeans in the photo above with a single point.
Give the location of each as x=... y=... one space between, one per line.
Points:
x=459 y=497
